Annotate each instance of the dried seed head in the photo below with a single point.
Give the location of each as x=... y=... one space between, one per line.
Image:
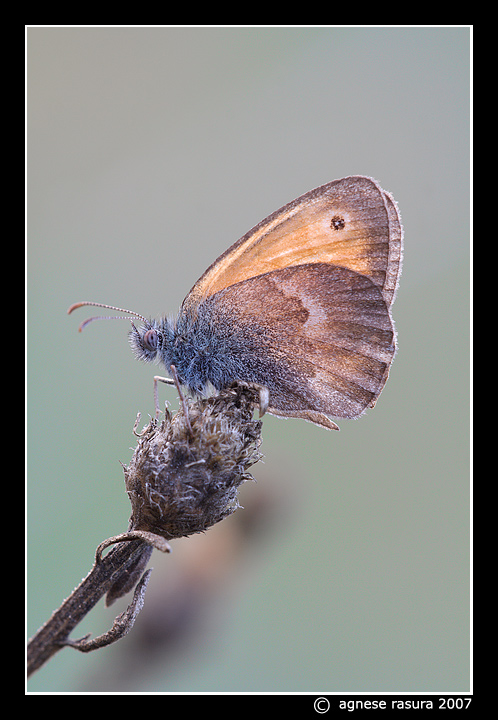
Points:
x=182 y=481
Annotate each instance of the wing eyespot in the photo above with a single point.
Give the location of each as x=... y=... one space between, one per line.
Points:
x=337 y=223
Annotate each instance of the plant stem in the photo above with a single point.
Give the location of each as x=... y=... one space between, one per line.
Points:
x=121 y=561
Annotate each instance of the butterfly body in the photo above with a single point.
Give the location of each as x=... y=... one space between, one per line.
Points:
x=300 y=305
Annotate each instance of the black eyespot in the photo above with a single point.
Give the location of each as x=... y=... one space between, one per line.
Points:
x=337 y=223
x=150 y=339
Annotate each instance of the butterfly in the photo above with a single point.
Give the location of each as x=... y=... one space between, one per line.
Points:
x=300 y=306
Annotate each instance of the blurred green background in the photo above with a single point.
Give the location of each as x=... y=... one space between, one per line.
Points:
x=151 y=150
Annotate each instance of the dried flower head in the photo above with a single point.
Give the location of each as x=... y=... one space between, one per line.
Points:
x=185 y=472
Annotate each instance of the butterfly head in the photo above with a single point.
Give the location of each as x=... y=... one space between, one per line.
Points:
x=149 y=341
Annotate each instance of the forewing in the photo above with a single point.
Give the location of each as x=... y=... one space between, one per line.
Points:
x=351 y=223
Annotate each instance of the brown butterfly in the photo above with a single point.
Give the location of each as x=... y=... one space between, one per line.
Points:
x=301 y=306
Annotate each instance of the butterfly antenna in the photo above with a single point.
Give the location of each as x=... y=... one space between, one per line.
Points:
x=103 y=317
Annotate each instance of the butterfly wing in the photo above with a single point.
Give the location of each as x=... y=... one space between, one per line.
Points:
x=318 y=336
x=351 y=223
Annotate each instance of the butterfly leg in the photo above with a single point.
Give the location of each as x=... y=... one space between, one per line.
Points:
x=159 y=378
x=264 y=400
x=181 y=396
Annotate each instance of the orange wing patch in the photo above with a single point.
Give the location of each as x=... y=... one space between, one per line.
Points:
x=350 y=223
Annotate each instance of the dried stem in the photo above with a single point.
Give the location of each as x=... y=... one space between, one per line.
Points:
x=122 y=624
x=120 y=562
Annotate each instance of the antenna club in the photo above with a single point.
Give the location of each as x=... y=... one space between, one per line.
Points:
x=75 y=307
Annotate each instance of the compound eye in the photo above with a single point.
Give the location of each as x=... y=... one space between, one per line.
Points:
x=150 y=339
